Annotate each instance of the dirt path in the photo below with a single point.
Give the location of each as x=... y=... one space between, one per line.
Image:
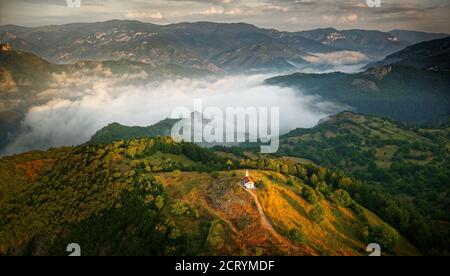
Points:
x=265 y=222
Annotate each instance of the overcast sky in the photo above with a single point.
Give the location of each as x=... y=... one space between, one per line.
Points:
x=290 y=15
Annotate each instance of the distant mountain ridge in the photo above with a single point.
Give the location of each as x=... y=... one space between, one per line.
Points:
x=415 y=37
x=411 y=85
x=205 y=45
x=432 y=55
x=371 y=42
x=401 y=93
x=187 y=44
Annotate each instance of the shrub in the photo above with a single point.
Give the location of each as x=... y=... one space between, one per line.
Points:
x=179 y=208
x=359 y=211
x=342 y=198
x=323 y=188
x=317 y=214
x=385 y=236
x=177 y=173
x=260 y=185
x=296 y=236
x=310 y=195
x=215 y=174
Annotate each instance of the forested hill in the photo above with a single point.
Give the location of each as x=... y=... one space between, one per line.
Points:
x=405 y=170
x=402 y=93
x=408 y=168
x=157 y=197
x=115 y=131
x=431 y=55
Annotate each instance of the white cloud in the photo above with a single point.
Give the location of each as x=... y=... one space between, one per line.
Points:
x=212 y=11
x=220 y=11
x=141 y=15
x=338 y=58
x=350 y=18
x=234 y=11
x=72 y=120
x=272 y=7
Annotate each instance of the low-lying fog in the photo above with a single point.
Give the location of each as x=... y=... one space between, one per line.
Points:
x=80 y=106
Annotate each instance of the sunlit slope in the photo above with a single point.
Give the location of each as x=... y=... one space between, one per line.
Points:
x=404 y=170
x=407 y=161
x=238 y=226
x=157 y=197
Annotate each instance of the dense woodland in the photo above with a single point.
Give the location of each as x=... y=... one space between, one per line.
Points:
x=391 y=91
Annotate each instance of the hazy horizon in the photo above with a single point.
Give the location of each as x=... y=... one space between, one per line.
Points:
x=214 y=22
x=283 y=15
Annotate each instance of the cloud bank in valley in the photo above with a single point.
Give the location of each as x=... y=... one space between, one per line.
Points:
x=81 y=106
x=338 y=58
x=342 y=61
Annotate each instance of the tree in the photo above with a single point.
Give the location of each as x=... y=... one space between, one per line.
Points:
x=384 y=235
x=317 y=213
x=290 y=182
x=230 y=164
x=342 y=198
x=310 y=195
x=296 y=236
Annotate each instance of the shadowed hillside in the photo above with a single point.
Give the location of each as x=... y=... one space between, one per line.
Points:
x=401 y=93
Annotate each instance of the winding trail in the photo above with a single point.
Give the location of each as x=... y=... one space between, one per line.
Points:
x=265 y=222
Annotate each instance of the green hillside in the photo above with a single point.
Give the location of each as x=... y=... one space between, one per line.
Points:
x=157 y=197
x=406 y=169
x=115 y=131
x=432 y=55
x=391 y=91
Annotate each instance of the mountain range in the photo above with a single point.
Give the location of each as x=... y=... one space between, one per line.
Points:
x=24 y=76
x=411 y=85
x=415 y=78
x=374 y=43
x=431 y=55
x=205 y=45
